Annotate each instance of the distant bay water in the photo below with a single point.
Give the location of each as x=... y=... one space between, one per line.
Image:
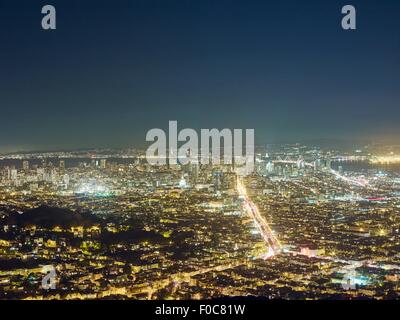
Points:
x=69 y=162
x=364 y=166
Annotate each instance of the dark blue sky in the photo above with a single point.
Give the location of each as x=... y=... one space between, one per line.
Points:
x=115 y=69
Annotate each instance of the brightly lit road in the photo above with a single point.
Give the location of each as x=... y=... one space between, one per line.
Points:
x=262 y=225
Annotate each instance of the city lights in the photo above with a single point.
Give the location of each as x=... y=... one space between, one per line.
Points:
x=123 y=228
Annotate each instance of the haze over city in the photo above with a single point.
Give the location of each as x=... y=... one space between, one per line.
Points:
x=104 y=196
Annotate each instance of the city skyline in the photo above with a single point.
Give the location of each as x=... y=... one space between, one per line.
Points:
x=200 y=154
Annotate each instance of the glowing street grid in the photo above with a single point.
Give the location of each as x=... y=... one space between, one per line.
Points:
x=321 y=224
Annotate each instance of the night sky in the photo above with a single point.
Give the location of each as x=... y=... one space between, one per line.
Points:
x=115 y=69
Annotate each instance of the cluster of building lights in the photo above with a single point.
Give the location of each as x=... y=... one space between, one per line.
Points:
x=92 y=188
x=391 y=159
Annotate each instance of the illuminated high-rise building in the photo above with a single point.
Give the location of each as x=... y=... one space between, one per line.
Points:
x=13 y=174
x=7 y=173
x=25 y=165
x=270 y=167
x=217 y=179
x=40 y=174
x=103 y=163
x=329 y=164
x=66 y=180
